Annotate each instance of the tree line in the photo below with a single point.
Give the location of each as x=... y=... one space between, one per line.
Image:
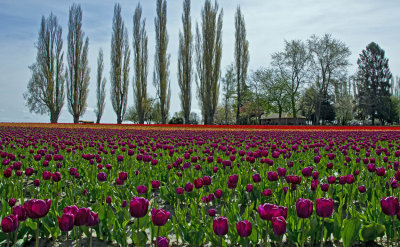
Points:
x=307 y=78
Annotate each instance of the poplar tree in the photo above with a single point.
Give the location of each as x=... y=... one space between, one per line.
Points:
x=45 y=91
x=208 y=59
x=140 y=63
x=120 y=55
x=78 y=72
x=185 y=62
x=161 y=61
x=101 y=87
x=241 y=59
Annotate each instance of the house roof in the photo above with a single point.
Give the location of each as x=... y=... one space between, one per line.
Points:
x=283 y=116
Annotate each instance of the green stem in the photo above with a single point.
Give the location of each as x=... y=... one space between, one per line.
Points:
x=158 y=232
x=266 y=236
x=322 y=232
x=395 y=233
x=220 y=241
x=8 y=239
x=137 y=232
x=16 y=236
x=37 y=234
x=91 y=237
x=302 y=234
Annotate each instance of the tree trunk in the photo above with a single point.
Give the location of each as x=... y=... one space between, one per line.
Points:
x=53 y=117
x=76 y=119
x=187 y=121
x=294 y=109
x=163 y=117
x=119 y=119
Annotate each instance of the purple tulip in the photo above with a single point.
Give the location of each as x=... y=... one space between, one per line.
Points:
x=220 y=226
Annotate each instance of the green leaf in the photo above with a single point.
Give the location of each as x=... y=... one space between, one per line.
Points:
x=372 y=231
x=350 y=231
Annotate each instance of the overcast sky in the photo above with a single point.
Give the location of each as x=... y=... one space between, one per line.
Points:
x=268 y=24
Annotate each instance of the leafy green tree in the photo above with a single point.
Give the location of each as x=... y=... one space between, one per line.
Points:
x=78 y=72
x=329 y=61
x=45 y=91
x=228 y=88
x=374 y=83
x=292 y=64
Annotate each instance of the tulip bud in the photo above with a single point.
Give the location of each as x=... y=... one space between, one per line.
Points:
x=244 y=228
x=324 y=207
x=211 y=212
x=9 y=223
x=220 y=226
x=159 y=216
x=304 y=208
x=162 y=242
x=279 y=225
x=138 y=207
x=390 y=205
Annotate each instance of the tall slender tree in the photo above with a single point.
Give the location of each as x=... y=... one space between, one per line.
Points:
x=45 y=91
x=140 y=63
x=208 y=59
x=185 y=62
x=161 y=60
x=120 y=55
x=78 y=72
x=241 y=59
x=101 y=87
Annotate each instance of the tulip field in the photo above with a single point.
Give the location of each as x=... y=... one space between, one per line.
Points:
x=177 y=185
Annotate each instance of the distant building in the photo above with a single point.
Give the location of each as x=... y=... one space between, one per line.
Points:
x=286 y=119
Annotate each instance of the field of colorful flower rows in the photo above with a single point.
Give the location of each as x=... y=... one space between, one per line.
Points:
x=190 y=186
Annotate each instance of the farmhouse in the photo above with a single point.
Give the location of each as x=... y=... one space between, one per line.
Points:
x=285 y=119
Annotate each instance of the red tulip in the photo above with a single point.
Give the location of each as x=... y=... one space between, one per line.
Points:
x=244 y=228
x=218 y=193
x=66 y=222
x=390 y=205
x=279 y=225
x=155 y=184
x=37 y=208
x=304 y=208
x=211 y=212
x=159 y=216
x=272 y=176
x=267 y=211
x=189 y=187
x=324 y=207
x=93 y=219
x=179 y=190
x=198 y=183
x=56 y=176
x=141 y=189
x=82 y=217
x=220 y=226
x=256 y=178
x=162 y=242
x=9 y=223
x=20 y=212
x=138 y=207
